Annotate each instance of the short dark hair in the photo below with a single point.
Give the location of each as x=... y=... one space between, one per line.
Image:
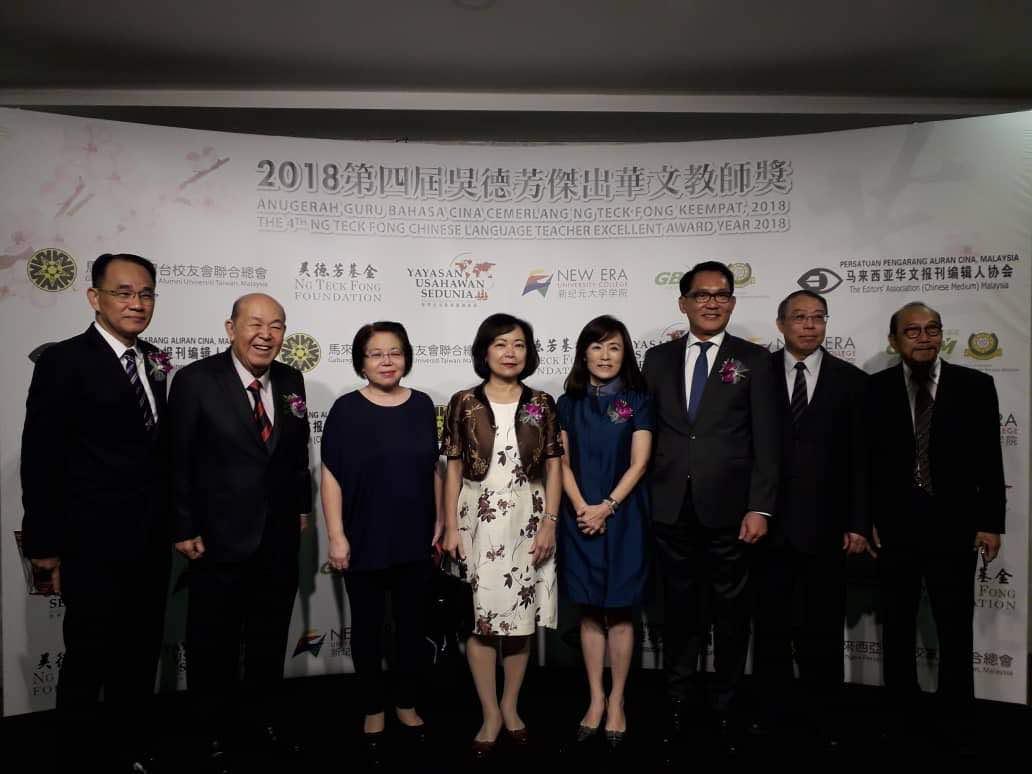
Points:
x=366 y=332
x=911 y=305
x=100 y=266
x=600 y=329
x=689 y=277
x=493 y=327
x=783 y=306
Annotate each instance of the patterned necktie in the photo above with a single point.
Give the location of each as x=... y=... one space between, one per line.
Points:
x=699 y=375
x=923 y=406
x=798 y=403
x=141 y=395
x=261 y=419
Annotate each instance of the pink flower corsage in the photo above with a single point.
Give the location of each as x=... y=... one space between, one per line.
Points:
x=532 y=414
x=296 y=404
x=159 y=364
x=732 y=372
x=620 y=411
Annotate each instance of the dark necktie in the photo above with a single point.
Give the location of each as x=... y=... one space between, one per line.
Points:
x=141 y=395
x=699 y=375
x=261 y=419
x=798 y=403
x=923 y=407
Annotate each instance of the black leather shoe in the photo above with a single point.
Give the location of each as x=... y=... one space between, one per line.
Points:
x=273 y=740
x=144 y=762
x=676 y=723
x=375 y=748
x=728 y=738
x=614 y=740
x=586 y=733
x=413 y=736
x=216 y=759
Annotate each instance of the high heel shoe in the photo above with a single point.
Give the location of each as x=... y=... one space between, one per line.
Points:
x=614 y=739
x=586 y=733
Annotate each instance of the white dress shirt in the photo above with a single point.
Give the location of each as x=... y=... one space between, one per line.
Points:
x=691 y=355
x=933 y=384
x=141 y=364
x=246 y=377
x=812 y=370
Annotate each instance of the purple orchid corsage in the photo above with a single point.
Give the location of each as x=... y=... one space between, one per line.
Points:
x=620 y=412
x=296 y=404
x=732 y=372
x=159 y=364
x=532 y=414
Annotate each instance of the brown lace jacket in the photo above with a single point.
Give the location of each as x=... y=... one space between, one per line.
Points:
x=469 y=432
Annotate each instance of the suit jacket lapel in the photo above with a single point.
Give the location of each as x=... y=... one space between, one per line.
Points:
x=238 y=398
x=779 y=377
x=680 y=353
x=825 y=376
x=282 y=409
x=111 y=369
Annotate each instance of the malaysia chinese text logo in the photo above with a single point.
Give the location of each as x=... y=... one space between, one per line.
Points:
x=301 y=351
x=51 y=269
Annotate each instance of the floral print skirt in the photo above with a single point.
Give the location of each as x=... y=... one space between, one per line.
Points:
x=497 y=525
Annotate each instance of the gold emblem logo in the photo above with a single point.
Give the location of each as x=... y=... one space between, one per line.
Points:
x=51 y=269
x=301 y=351
x=743 y=274
x=983 y=346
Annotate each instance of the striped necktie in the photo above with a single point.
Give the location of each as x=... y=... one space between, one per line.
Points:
x=799 y=403
x=141 y=395
x=261 y=419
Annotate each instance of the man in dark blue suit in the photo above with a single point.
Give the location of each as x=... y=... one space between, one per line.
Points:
x=714 y=483
x=822 y=517
x=94 y=479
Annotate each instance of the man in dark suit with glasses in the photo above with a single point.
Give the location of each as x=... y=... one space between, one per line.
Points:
x=938 y=508
x=94 y=477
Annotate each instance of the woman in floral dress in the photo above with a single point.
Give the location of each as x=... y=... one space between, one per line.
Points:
x=501 y=497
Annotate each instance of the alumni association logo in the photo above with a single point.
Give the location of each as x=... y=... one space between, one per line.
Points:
x=51 y=269
x=301 y=351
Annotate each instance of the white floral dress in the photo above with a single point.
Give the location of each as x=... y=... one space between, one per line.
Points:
x=498 y=519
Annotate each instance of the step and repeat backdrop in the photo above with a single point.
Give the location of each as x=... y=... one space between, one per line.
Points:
x=439 y=236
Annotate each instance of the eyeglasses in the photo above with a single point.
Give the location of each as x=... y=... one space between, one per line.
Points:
x=392 y=354
x=125 y=296
x=813 y=319
x=932 y=331
x=702 y=297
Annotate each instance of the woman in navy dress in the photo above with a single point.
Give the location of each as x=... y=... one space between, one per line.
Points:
x=606 y=420
x=380 y=497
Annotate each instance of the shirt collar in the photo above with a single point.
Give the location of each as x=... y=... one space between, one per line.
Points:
x=118 y=347
x=246 y=377
x=612 y=387
x=811 y=361
x=716 y=341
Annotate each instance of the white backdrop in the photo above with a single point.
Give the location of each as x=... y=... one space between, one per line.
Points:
x=439 y=236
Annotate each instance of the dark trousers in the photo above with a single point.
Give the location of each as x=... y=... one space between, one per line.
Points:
x=240 y=605
x=946 y=564
x=408 y=586
x=706 y=580
x=114 y=615
x=800 y=601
